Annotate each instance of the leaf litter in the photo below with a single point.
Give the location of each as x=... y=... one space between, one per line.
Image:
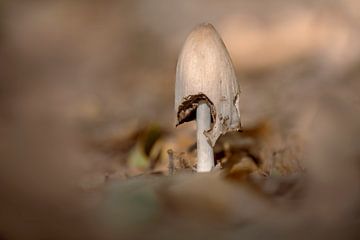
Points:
x=79 y=160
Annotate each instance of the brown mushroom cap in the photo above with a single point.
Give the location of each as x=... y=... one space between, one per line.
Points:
x=205 y=73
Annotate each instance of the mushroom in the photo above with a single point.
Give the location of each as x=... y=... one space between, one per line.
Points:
x=207 y=90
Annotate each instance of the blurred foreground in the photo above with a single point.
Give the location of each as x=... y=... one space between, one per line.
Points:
x=87 y=122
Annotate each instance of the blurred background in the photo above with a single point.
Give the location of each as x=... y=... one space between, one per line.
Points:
x=87 y=104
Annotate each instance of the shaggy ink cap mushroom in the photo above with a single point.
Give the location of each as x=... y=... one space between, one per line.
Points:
x=205 y=74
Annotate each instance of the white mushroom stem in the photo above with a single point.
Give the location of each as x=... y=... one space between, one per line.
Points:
x=205 y=152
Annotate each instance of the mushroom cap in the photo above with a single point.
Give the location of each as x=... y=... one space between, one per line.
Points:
x=205 y=72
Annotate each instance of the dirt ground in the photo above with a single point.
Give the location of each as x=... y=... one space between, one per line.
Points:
x=87 y=122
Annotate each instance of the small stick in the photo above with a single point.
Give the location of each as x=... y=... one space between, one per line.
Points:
x=171 y=161
x=205 y=152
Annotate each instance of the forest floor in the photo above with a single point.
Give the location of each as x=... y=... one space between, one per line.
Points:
x=88 y=145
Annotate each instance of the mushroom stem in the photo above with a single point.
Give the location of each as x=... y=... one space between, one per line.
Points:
x=205 y=152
